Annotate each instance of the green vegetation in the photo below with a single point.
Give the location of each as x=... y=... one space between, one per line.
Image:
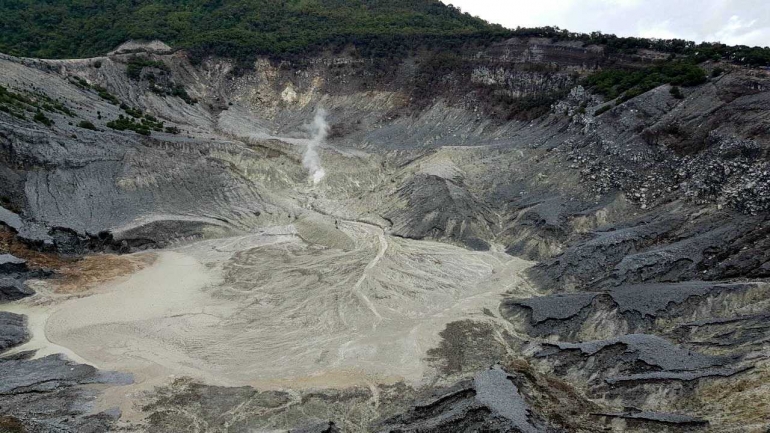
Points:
x=172 y=130
x=80 y=82
x=17 y=104
x=717 y=72
x=245 y=29
x=41 y=118
x=174 y=90
x=14 y=103
x=629 y=83
x=107 y=96
x=239 y=29
x=180 y=92
x=143 y=126
x=136 y=65
x=698 y=53
x=133 y=112
x=676 y=92
x=527 y=108
x=85 y=124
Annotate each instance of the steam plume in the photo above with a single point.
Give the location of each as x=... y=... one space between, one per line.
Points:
x=311 y=160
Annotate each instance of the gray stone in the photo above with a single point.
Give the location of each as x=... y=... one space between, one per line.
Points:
x=10 y=263
x=556 y=307
x=318 y=427
x=495 y=391
x=13 y=330
x=661 y=417
x=684 y=376
x=650 y=349
x=12 y=289
x=651 y=299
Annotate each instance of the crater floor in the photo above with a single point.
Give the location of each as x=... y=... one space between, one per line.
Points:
x=273 y=310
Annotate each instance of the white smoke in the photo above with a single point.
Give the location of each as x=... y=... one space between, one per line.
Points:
x=319 y=129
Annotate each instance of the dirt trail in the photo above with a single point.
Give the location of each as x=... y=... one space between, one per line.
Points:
x=383 y=242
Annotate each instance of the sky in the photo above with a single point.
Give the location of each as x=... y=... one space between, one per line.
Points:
x=733 y=22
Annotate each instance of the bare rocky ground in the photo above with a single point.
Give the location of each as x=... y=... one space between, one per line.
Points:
x=451 y=272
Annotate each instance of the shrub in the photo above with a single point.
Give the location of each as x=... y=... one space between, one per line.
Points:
x=142 y=126
x=107 y=96
x=676 y=92
x=137 y=64
x=81 y=82
x=717 y=72
x=179 y=91
x=41 y=118
x=133 y=112
x=85 y=124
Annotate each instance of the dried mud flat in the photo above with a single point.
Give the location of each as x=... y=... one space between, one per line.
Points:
x=273 y=311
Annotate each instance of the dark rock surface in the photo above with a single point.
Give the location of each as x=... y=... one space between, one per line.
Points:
x=650 y=300
x=320 y=427
x=49 y=394
x=558 y=307
x=454 y=213
x=13 y=274
x=31 y=231
x=649 y=349
x=13 y=289
x=489 y=402
x=675 y=375
x=21 y=376
x=13 y=330
x=10 y=263
x=662 y=417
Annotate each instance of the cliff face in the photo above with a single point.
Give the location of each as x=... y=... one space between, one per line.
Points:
x=649 y=222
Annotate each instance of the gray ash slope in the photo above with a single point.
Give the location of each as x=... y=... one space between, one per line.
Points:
x=649 y=224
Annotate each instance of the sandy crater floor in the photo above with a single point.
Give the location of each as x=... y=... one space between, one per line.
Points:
x=273 y=310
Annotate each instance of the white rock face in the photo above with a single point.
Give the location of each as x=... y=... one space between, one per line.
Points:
x=155 y=46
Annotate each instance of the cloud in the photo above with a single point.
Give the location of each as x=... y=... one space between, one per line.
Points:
x=740 y=31
x=744 y=22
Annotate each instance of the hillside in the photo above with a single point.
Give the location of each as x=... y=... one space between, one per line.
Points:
x=246 y=29
x=231 y=28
